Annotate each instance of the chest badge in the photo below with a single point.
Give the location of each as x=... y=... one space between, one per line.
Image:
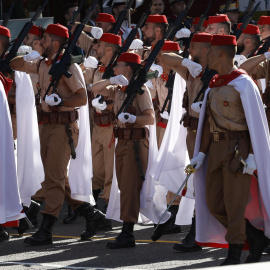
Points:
x=225 y=103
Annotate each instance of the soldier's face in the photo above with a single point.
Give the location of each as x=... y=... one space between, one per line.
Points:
x=106 y=27
x=120 y=68
x=29 y=39
x=195 y=52
x=265 y=31
x=47 y=44
x=148 y=32
x=157 y=7
x=100 y=50
x=233 y=16
x=178 y=7
x=213 y=57
x=212 y=29
x=240 y=44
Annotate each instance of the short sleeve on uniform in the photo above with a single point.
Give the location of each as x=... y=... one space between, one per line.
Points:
x=85 y=41
x=144 y=101
x=261 y=70
x=88 y=74
x=76 y=81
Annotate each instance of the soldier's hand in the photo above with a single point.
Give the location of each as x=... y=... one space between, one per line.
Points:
x=127 y=118
x=90 y=62
x=251 y=165
x=119 y=79
x=97 y=32
x=24 y=49
x=183 y=33
x=196 y=107
x=53 y=100
x=239 y=59
x=193 y=68
x=34 y=55
x=95 y=102
x=37 y=47
x=159 y=68
x=197 y=161
x=136 y=44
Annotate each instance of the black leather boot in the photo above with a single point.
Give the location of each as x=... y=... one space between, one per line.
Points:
x=125 y=239
x=267 y=250
x=189 y=244
x=4 y=234
x=44 y=235
x=71 y=216
x=31 y=212
x=93 y=218
x=172 y=228
x=257 y=243
x=96 y=193
x=234 y=254
x=159 y=231
x=107 y=224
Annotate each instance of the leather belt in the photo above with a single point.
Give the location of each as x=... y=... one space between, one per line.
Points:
x=229 y=135
x=57 y=117
x=104 y=119
x=134 y=134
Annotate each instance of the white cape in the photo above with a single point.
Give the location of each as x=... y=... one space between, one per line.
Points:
x=148 y=212
x=10 y=202
x=169 y=166
x=29 y=164
x=81 y=170
x=208 y=229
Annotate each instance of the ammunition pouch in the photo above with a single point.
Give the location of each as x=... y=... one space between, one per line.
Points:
x=134 y=134
x=57 y=117
x=104 y=120
x=185 y=102
x=189 y=121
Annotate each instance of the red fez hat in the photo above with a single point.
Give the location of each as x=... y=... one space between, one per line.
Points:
x=129 y=58
x=265 y=20
x=36 y=30
x=156 y=19
x=105 y=17
x=223 y=40
x=4 y=31
x=260 y=21
x=250 y=29
x=111 y=38
x=205 y=23
x=57 y=30
x=169 y=46
x=218 y=19
x=202 y=37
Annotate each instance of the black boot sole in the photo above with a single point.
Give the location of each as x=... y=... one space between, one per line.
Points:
x=185 y=249
x=32 y=242
x=115 y=245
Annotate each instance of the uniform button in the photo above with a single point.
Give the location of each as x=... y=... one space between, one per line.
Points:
x=225 y=103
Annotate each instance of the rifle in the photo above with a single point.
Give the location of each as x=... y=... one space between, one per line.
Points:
x=170 y=81
x=4 y=63
x=74 y=16
x=8 y=14
x=226 y=7
x=122 y=17
x=245 y=23
x=109 y=70
x=248 y=10
x=139 y=76
x=61 y=68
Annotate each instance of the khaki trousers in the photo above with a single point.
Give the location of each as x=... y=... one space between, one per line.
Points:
x=103 y=159
x=227 y=193
x=55 y=154
x=129 y=180
x=190 y=141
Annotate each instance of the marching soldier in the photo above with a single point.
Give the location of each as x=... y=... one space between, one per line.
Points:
x=226 y=132
x=130 y=129
x=58 y=115
x=218 y=25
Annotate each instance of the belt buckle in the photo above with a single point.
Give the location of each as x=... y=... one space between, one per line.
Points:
x=215 y=136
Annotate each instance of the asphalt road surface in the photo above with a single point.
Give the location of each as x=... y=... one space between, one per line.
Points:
x=68 y=252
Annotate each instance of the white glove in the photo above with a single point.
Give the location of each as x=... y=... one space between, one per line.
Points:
x=90 y=62
x=96 y=32
x=149 y=84
x=24 y=49
x=239 y=59
x=196 y=107
x=95 y=102
x=127 y=32
x=198 y=160
x=136 y=44
x=127 y=118
x=183 y=33
x=193 y=68
x=119 y=79
x=159 y=68
x=267 y=55
x=251 y=165
x=53 y=100
x=34 y=55
x=165 y=115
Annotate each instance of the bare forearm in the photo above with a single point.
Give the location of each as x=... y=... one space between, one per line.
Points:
x=251 y=64
x=77 y=100
x=147 y=118
x=100 y=87
x=17 y=63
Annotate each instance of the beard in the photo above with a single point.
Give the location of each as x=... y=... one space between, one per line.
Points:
x=240 y=48
x=196 y=59
x=147 y=41
x=47 y=51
